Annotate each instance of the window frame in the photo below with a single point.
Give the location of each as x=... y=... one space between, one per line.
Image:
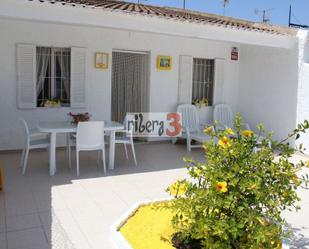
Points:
x=53 y=83
x=211 y=81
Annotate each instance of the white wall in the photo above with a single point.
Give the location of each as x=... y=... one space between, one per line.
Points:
x=268 y=88
x=303 y=84
x=163 y=84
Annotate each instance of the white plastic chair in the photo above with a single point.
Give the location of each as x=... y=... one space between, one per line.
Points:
x=34 y=140
x=90 y=137
x=224 y=116
x=70 y=140
x=127 y=138
x=190 y=126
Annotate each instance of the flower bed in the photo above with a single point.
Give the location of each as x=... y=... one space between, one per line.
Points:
x=138 y=226
x=147 y=225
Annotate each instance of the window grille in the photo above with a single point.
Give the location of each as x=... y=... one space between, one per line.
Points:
x=203 y=79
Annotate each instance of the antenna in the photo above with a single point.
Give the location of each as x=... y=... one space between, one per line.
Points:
x=296 y=25
x=225 y=3
x=265 y=18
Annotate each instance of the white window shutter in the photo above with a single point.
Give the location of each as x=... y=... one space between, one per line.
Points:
x=26 y=76
x=78 y=77
x=219 y=81
x=185 y=79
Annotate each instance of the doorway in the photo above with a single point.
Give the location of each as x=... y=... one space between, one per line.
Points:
x=130 y=83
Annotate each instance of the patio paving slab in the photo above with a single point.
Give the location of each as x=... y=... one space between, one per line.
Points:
x=22 y=222
x=3 y=244
x=69 y=212
x=28 y=238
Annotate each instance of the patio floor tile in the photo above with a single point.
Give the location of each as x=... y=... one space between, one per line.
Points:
x=20 y=204
x=44 y=202
x=3 y=244
x=22 y=222
x=99 y=239
x=2 y=225
x=29 y=238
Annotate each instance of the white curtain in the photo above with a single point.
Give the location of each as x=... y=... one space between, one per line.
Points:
x=130 y=84
x=43 y=55
x=63 y=60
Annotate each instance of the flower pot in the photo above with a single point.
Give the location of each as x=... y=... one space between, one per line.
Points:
x=205 y=114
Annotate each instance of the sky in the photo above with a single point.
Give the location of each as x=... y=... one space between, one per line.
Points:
x=278 y=10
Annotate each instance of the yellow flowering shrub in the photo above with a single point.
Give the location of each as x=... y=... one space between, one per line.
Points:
x=234 y=199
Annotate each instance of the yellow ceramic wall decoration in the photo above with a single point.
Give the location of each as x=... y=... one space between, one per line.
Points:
x=164 y=62
x=101 y=60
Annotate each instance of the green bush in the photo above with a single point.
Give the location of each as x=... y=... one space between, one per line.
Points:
x=235 y=198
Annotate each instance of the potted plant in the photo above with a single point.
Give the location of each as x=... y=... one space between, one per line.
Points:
x=205 y=112
x=79 y=117
x=51 y=103
x=235 y=198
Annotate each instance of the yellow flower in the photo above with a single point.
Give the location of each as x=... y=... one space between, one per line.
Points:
x=253 y=186
x=216 y=210
x=173 y=189
x=224 y=142
x=230 y=131
x=182 y=189
x=295 y=180
x=198 y=172
x=222 y=187
x=262 y=221
x=208 y=130
x=178 y=188
x=307 y=163
x=247 y=133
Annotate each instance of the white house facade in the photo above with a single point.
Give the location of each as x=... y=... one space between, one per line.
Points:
x=268 y=83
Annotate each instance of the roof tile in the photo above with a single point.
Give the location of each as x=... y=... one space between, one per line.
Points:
x=177 y=14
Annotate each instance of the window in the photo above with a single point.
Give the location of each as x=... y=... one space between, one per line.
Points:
x=53 y=67
x=203 y=79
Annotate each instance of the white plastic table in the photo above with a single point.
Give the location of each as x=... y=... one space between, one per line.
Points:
x=66 y=127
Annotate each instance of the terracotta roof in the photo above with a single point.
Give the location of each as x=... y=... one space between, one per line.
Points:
x=177 y=14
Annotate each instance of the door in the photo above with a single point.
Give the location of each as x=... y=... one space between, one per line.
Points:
x=130 y=83
x=185 y=79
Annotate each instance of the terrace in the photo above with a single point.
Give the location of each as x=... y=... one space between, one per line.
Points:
x=68 y=212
